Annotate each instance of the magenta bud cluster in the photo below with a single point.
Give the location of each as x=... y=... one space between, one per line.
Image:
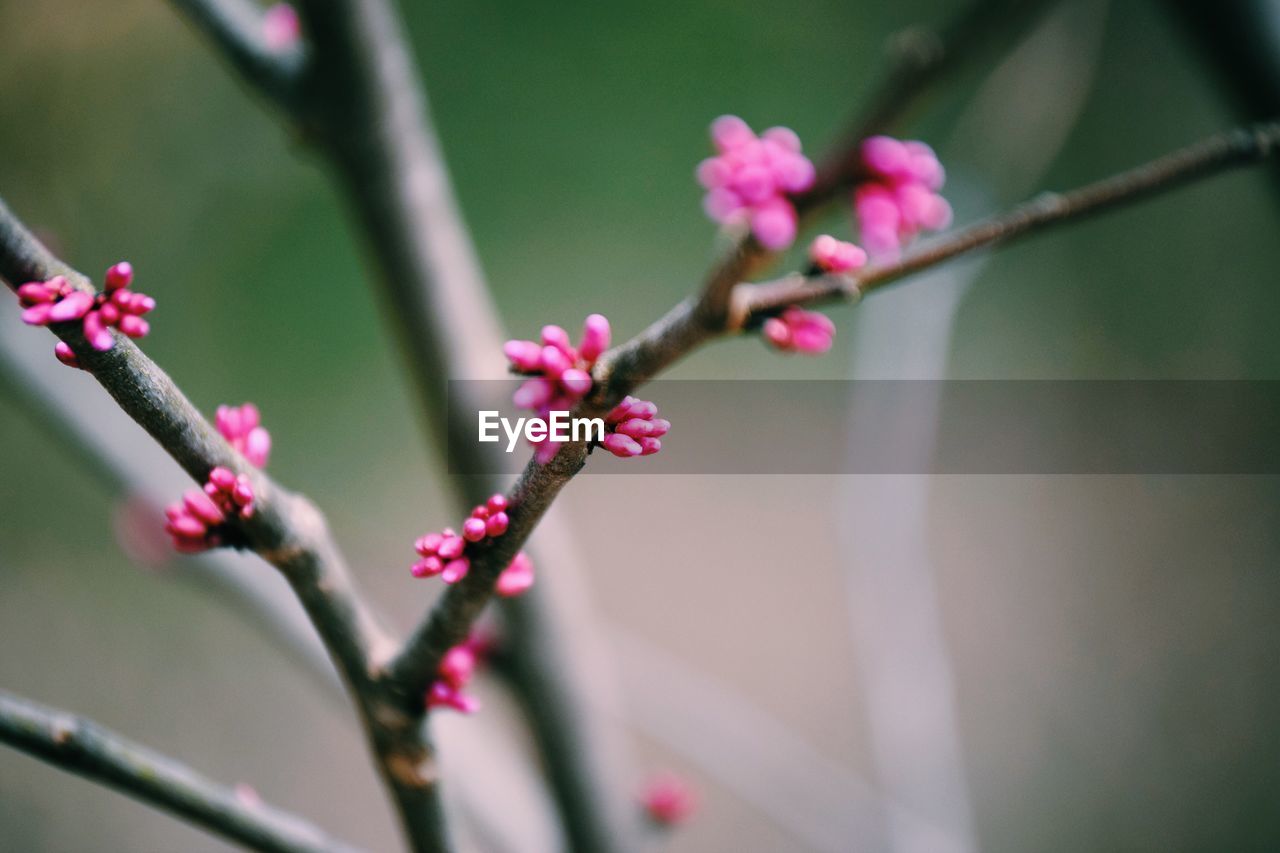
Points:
x=749 y=181
x=798 y=330
x=242 y=427
x=560 y=373
x=633 y=428
x=56 y=301
x=196 y=522
x=444 y=553
x=901 y=199
x=668 y=800
x=457 y=668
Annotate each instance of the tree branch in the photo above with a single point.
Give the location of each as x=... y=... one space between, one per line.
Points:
x=621 y=370
x=286 y=530
x=1218 y=153
x=236 y=26
x=83 y=747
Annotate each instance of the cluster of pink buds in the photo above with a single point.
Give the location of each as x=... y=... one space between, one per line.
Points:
x=195 y=523
x=798 y=330
x=560 y=373
x=281 y=27
x=750 y=179
x=457 y=667
x=668 y=800
x=633 y=428
x=56 y=301
x=242 y=427
x=902 y=199
x=444 y=554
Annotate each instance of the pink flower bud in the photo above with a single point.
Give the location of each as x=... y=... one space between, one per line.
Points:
x=281 y=27
x=533 y=393
x=480 y=512
x=427 y=567
x=497 y=524
x=99 y=337
x=198 y=504
x=257 y=446
x=429 y=544
x=777 y=333
x=621 y=445
x=649 y=445
x=525 y=356
x=65 y=354
x=457 y=666
x=497 y=503
x=118 y=276
x=35 y=293
x=635 y=427
x=134 y=326
x=836 y=256
x=455 y=570
x=596 y=336
x=730 y=132
x=659 y=427
x=554 y=361
x=515 y=578
x=37 y=315
x=473 y=529
x=451 y=547
x=774 y=224
x=576 y=382
x=222 y=478
x=555 y=336
x=668 y=800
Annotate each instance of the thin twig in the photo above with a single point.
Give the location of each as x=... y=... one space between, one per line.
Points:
x=83 y=747
x=621 y=370
x=1231 y=149
x=236 y=26
x=286 y=529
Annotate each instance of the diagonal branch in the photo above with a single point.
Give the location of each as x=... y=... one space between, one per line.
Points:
x=83 y=747
x=621 y=370
x=286 y=529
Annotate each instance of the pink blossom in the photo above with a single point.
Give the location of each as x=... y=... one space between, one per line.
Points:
x=751 y=179
x=196 y=523
x=797 y=330
x=668 y=800
x=901 y=198
x=241 y=427
x=633 y=428
x=560 y=374
x=56 y=301
x=456 y=669
x=281 y=27
x=445 y=553
x=836 y=256
x=517 y=577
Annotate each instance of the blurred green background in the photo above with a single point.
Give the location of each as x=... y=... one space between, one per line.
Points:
x=1114 y=643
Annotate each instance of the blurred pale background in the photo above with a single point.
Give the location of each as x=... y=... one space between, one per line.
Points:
x=1112 y=641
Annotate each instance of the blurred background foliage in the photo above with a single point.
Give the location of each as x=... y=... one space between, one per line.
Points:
x=1117 y=665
